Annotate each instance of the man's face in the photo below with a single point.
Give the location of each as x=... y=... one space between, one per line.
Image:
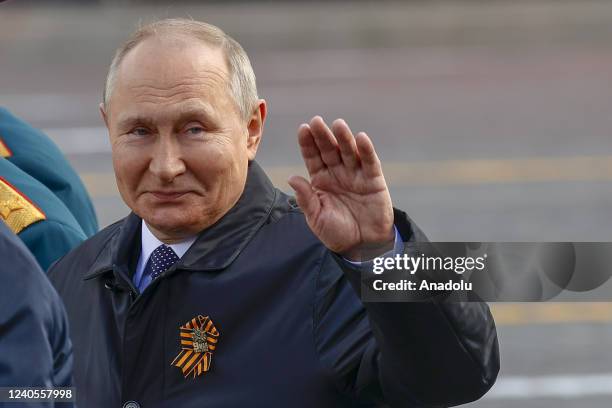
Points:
x=180 y=146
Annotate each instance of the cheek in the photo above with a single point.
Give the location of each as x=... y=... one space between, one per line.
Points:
x=217 y=158
x=210 y=170
x=220 y=171
x=128 y=166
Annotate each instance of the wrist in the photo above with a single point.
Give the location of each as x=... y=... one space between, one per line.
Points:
x=370 y=250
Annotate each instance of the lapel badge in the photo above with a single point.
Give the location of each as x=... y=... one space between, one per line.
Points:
x=198 y=342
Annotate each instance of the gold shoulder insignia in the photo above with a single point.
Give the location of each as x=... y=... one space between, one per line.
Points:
x=4 y=150
x=15 y=209
x=198 y=342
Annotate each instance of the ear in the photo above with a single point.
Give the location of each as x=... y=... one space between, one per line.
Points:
x=255 y=128
x=104 y=114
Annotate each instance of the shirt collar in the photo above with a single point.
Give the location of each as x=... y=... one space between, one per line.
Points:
x=150 y=243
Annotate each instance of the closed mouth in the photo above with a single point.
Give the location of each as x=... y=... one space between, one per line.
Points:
x=168 y=195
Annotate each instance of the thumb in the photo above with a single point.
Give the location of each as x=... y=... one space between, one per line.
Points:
x=305 y=195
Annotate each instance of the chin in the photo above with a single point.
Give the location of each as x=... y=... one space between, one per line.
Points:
x=185 y=218
x=169 y=221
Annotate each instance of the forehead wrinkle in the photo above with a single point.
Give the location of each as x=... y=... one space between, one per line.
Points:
x=187 y=107
x=180 y=101
x=203 y=85
x=164 y=97
x=205 y=77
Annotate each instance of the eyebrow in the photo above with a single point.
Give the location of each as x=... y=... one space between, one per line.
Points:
x=129 y=121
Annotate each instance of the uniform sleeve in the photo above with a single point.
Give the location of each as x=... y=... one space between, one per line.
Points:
x=50 y=240
x=35 y=349
x=429 y=353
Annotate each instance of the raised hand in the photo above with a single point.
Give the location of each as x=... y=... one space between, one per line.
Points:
x=346 y=203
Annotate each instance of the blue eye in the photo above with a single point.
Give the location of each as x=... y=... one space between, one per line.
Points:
x=195 y=130
x=140 y=131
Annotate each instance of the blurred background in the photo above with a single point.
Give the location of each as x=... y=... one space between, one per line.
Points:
x=492 y=120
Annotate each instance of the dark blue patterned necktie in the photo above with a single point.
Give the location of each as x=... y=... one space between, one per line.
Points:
x=160 y=260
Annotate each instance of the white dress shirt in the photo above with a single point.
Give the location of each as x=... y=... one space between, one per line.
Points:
x=149 y=243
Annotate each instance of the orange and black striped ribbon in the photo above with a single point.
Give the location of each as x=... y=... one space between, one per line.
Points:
x=188 y=360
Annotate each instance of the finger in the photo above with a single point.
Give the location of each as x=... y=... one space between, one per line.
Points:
x=346 y=143
x=370 y=163
x=326 y=142
x=310 y=151
x=305 y=195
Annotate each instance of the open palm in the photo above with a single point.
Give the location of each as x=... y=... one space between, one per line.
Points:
x=346 y=203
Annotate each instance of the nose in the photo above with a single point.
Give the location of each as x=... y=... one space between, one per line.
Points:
x=167 y=161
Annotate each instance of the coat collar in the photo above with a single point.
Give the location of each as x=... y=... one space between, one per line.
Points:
x=216 y=247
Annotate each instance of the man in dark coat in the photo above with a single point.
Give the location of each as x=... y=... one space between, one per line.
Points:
x=35 y=350
x=218 y=290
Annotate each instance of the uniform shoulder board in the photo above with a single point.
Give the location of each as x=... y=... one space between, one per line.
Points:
x=16 y=209
x=4 y=150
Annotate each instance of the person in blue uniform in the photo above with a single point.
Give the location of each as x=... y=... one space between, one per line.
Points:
x=36 y=154
x=35 y=349
x=36 y=215
x=219 y=290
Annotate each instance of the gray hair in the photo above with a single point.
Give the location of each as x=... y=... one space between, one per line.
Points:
x=241 y=76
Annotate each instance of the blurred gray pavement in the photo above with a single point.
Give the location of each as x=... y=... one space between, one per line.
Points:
x=492 y=120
